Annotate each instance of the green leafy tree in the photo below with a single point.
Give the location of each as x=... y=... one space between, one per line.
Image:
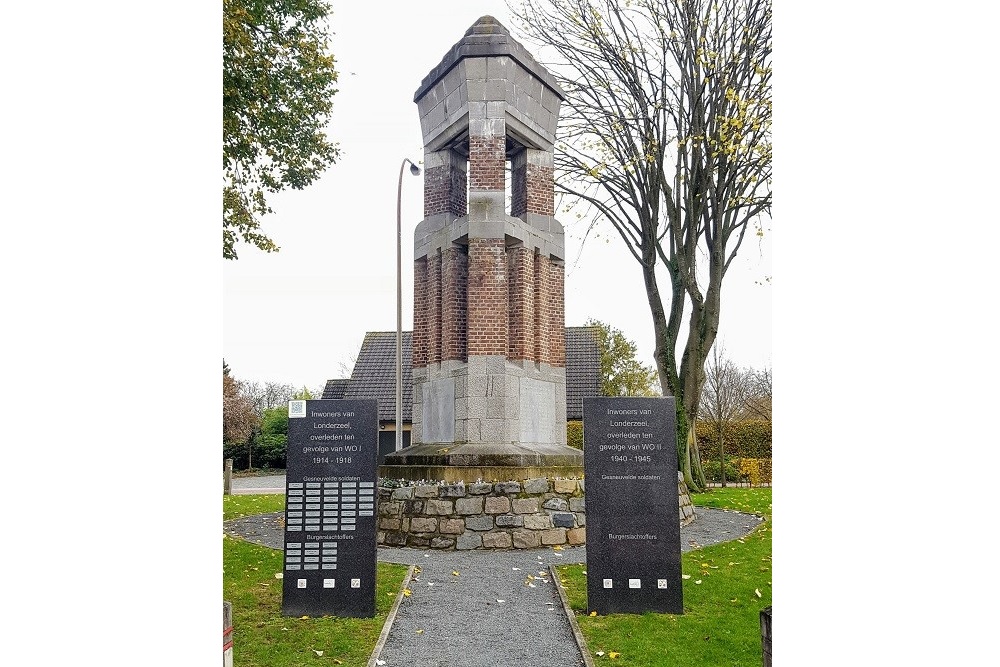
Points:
x=621 y=373
x=278 y=79
x=666 y=136
x=272 y=438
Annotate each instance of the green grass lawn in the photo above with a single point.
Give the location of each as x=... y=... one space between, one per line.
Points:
x=726 y=587
x=262 y=637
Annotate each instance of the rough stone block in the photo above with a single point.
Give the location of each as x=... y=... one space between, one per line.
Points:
x=380 y=537
x=426 y=491
x=557 y=504
x=453 y=490
x=508 y=487
x=559 y=519
x=553 y=536
x=479 y=523
x=418 y=541
x=497 y=540
x=583 y=486
x=567 y=486
x=524 y=505
x=576 y=536
x=469 y=541
x=581 y=519
x=389 y=523
x=395 y=539
x=442 y=543
x=451 y=526
x=390 y=509
x=525 y=539
x=425 y=525
x=578 y=504
x=402 y=493
x=497 y=505
x=412 y=507
x=539 y=485
x=537 y=521
x=480 y=488
x=469 y=505
x=509 y=521
x=439 y=507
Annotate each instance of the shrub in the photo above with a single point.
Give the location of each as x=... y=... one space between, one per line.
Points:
x=574 y=434
x=713 y=472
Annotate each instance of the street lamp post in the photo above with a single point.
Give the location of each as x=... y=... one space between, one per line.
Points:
x=415 y=170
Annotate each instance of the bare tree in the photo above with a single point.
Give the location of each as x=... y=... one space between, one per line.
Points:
x=268 y=395
x=723 y=397
x=666 y=135
x=757 y=402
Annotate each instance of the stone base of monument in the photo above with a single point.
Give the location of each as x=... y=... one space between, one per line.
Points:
x=519 y=513
x=482 y=462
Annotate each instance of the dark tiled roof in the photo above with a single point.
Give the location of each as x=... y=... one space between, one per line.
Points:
x=336 y=388
x=583 y=369
x=374 y=374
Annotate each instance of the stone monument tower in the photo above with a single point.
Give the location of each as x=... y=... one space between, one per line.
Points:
x=489 y=353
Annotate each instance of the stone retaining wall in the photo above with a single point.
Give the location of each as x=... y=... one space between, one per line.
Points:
x=521 y=515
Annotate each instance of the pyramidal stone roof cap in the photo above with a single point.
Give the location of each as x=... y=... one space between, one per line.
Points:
x=487 y=37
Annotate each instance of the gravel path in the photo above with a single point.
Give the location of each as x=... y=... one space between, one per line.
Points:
x=490 y=613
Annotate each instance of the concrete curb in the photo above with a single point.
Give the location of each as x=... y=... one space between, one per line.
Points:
x=380 y=644
x=571 y=617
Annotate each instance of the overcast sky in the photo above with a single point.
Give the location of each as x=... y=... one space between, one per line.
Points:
x=298 y=315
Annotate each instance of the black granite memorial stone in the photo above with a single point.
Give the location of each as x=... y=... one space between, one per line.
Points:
x=633 y=530
x=330 y=509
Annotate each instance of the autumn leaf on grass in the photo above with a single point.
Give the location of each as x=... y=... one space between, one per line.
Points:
x=613 y=655
x=318 y=653
x=599 y=654
x=685 y=576
x=697 y=581
x=279 y=575
x=593 y=613
x=303 y=617
x=757 y=591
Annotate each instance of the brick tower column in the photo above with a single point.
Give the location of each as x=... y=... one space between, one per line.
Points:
x=489 y=383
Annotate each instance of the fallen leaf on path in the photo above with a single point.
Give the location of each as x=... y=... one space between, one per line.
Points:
x=593 y=613
x=407 y=592
x=420 y=632
x=455 y=573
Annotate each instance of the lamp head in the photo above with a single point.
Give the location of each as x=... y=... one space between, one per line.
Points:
x=414 y=169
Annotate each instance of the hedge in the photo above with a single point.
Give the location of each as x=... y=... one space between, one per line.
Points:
x=749 y=439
